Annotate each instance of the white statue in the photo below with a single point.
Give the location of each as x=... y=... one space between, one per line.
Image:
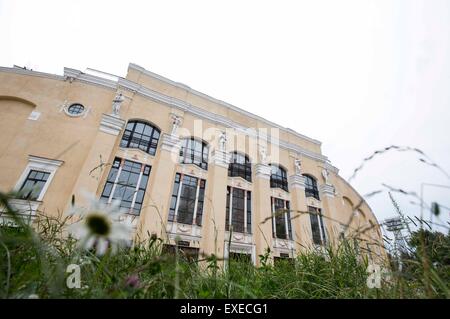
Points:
x=262 y=154
x=298 y=166
x=118 y=99
x=326 y=176
x=223 y=141
x=176 y=122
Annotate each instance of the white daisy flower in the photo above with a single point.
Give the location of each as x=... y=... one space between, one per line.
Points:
x=100 y=226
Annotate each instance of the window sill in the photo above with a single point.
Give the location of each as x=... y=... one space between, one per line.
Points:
x=279 y=189
x=238 y=237
x=283 y=243
x=135 y=150
x=26 y=209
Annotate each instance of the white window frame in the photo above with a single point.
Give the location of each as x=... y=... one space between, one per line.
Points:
x=119 y=171
x=230 y=209
x=286 y=222
x=41 y=164
x=197 y=193
x=321 y=223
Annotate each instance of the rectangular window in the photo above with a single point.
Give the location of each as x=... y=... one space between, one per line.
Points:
x=127 y=182
x=238 y=210
x=33 y=184
x=283 y=260
x=281 y=220
x=189 y=254
x=240 y=258
x=317 y=226
x=186 y=205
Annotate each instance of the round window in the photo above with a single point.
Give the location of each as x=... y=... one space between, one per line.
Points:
x=75 y=109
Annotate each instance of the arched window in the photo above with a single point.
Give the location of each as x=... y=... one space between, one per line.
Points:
x=194 y=152
x=278 y=177
x=311 y=187
x=140 y=135
x=241 y=166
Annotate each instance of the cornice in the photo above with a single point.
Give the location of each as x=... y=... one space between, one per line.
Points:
x=73 y=74
x=89 y=78
x=220 y=102
x=31 y=72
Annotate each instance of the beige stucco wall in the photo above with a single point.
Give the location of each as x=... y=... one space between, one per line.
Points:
x=82 y=146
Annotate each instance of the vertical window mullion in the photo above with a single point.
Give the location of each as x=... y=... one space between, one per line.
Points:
x=286 y=220
x=122 y=163
x=319 y=224
x=175 y=215
x=137 y=187
x=245 y=212
x=230 y=213
x=197 y=192
x=322 y=227
x=274 y=225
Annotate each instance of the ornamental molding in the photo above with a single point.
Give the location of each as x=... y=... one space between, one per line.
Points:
x=43 y=163
x=220 y=158
x=170 y=143
x=73 y=74
x=111 y=124
x=197 y=111
x=280 y=193
x=220 y=102
x=263 y=171
x=297 y=181
x=327 y=190
x=286 y=246
x=239 y=182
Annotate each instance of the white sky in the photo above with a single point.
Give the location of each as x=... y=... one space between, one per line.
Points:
x=357 y=75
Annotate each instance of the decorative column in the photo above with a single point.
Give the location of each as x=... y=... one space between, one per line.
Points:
x=155 y=212
x=299 y=210
x=99 y=154
x=213 y=228
x=262 y=212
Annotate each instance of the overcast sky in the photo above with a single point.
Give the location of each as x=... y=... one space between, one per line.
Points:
x=357 y=75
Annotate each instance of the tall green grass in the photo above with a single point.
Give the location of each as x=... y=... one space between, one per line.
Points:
x=33 y=264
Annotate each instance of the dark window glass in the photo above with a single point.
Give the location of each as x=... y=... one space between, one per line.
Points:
x=317 y=226
x=278 y=178
x=249 y=212
x=187 y=195
x=237 y=208
x=200 y=201
x=33 y=185
x=75 y=109
x=189 y=254
x=125 y=185
x=288 y=216
x=194 y=152
x=140 y=135
x=240 y=258
x=187 y=200
x=311 y=187
x=240 y=166
x=280 y=215
x=280 y=209
x=283 y=261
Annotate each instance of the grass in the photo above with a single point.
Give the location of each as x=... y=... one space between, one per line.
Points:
x=33 y=263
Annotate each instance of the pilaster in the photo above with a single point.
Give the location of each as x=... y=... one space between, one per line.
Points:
x=262 y=212
x=154 y=214
x=94 y=166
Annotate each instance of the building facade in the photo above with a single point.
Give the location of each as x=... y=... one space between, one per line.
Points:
x=186 y=167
